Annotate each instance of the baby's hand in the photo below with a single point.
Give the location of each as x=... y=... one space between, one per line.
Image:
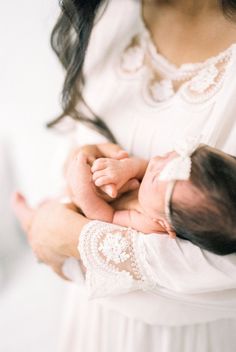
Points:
x=108 y=171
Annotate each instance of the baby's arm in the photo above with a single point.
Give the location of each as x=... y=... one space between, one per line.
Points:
x=136 y=220
x=117 y=172
x=97 y=208
x=87 y=199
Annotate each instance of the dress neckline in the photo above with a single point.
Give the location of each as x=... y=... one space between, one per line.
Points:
x=164 y=81
x=157 y=56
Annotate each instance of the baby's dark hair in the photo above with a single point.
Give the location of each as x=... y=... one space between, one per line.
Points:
x=211 y=222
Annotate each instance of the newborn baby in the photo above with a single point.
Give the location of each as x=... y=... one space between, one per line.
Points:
x=192 y=195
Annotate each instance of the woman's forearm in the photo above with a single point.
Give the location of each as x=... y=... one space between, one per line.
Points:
x=94 y=207
x=62 y=226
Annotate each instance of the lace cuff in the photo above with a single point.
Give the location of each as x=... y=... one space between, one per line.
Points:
x=114 y=258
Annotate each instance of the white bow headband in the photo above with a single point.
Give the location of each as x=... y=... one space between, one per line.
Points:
x=178 y=168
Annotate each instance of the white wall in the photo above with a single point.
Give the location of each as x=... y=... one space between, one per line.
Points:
x=30 y=83
x=30 y=75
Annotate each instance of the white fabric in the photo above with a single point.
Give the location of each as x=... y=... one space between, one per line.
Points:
x=192 y=307
x=172 y=282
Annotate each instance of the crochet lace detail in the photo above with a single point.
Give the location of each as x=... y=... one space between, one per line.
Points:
x=114 y=258
x=162 y=80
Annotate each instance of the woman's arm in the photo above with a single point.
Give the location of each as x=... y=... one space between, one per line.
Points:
x=52 y=230
x=118 y=259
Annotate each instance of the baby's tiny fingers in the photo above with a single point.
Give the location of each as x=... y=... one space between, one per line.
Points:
x=98 y=174
x=95 y=166
x=98 y=164
x=104 y=180
x=110 y=190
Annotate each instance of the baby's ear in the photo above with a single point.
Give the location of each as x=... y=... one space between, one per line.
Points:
x=171 y=233
x=164 y=223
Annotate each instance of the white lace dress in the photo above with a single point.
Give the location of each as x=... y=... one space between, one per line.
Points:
x=147 y=293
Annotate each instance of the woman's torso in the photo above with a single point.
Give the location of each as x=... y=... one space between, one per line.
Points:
x=149 y=124
x=144 y=113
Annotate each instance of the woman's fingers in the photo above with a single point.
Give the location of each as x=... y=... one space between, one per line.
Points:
x=111 y=150
x=22 y=211
x=52 y=231
x=52 y=259
x=58 y=270
x=60 y=273
x=122 y=154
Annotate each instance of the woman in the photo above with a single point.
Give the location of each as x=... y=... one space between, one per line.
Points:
x=168 y=295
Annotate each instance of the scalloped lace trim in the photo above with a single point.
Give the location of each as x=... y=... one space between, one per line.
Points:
x=196 y=82
x=114 y=259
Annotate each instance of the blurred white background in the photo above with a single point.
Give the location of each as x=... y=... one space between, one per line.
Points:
x=31 y=296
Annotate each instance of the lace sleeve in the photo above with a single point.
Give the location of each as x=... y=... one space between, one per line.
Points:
x=114 y=258
x=119 y=260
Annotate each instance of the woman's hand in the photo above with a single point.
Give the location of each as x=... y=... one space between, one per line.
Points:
x=95 y=151
x=52 y=230
x=92 y=152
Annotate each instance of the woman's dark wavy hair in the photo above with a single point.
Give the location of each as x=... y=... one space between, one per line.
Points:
x=69 y=40
x=211 y=222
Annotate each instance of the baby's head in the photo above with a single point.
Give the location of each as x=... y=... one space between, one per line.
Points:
x=201 y=209
x=208 y=217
